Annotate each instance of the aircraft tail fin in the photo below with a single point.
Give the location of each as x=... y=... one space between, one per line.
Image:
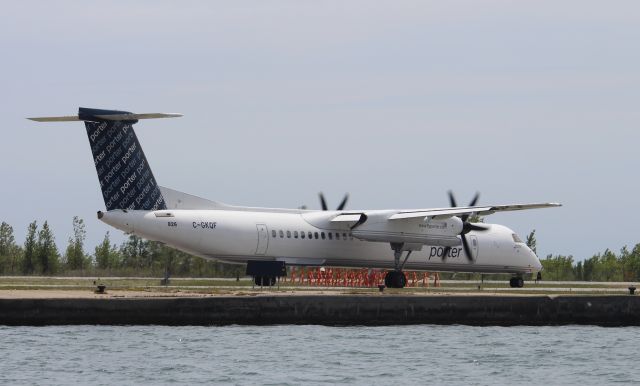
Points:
x=124 y=174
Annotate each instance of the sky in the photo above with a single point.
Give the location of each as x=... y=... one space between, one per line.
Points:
x=395 y=102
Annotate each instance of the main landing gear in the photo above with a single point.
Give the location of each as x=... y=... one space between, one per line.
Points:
x=265 y=281
x=516 y=282
x=265 y=273
x=397 y=278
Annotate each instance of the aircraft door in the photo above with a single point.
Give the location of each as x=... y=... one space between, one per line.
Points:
x=263 y=239
x=473 y=239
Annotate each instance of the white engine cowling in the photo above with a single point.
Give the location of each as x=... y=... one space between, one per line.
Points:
x=443 y=232
x=451 y=226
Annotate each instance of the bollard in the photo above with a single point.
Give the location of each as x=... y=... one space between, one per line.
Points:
x=632 y=289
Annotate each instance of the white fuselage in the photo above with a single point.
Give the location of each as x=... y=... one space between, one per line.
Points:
x=309 y=238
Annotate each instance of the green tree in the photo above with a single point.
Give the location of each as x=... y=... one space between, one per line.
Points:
x=75 y=257
x=558 y=267
x=163 y=258
x=610 y=268
x=633 y=263
x=603 y=267
x=30 y=250
x=588 y=268
x=47 y=252
x=7 y=240
x=135 y=252
x=630 y=263
x=8 y=249
x=106 y=254
x=578 y=271
x=531 y=241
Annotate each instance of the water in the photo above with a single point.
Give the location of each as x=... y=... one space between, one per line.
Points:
x=312 y=355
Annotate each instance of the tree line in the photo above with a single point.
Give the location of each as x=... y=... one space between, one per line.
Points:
x=39 y=255
x=605 y=266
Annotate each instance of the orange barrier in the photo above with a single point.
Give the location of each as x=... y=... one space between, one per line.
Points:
x=362 y=278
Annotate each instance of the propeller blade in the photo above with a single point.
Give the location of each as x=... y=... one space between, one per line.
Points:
x=344 y=202
x=323 y=202
x=467 y=248
x=452 y=199
x=475 y=199
x=473 y=202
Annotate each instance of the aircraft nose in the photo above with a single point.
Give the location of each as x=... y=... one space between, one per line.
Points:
x=535 y=262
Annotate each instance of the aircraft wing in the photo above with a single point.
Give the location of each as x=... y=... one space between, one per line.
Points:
x=442 y=213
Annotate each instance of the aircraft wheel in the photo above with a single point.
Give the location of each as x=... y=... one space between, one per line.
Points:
x=395 y=279
x=266 y=281
x=401 y=280
x=516 y=282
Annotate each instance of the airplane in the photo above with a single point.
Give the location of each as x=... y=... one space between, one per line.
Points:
x=431 y=239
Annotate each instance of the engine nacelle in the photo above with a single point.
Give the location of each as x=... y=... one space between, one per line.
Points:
x=451 y=226
x=433 y=231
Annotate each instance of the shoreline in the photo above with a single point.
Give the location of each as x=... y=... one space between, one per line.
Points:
x=264 y=308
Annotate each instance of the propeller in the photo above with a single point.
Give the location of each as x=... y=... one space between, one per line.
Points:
x=323 y=202
x=466 y=227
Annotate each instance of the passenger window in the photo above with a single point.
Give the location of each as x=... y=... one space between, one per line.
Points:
x=337 y=236
x=281 y=233
x=295 y=234
x=310 y=236
x=316 y=235
x=330 y=236
x=344 y=236
x=322 y=235
x=288 y=234
x=273 y=233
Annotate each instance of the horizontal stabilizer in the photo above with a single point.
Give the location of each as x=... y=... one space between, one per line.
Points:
x=67 y=118
x=99 y=115
x=129 y=117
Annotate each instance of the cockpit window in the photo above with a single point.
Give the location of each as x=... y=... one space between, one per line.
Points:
x=516 y=238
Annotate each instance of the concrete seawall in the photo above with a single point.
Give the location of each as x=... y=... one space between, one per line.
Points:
x=326 y=310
